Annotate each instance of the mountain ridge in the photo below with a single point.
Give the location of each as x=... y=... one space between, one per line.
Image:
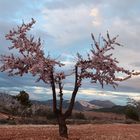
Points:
x=80 y=105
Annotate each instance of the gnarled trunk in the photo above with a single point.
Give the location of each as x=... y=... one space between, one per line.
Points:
x=62 y=127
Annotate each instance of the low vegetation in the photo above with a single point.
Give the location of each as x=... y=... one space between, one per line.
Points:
x=133 y=110
x=115 y=109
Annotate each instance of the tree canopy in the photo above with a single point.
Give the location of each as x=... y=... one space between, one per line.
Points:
x=23 y=98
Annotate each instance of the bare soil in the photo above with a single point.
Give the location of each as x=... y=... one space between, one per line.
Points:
x=76 y=132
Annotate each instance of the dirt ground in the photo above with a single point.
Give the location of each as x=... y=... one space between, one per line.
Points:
x=76 y=132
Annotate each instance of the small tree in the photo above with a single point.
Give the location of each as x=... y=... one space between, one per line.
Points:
x=131 y=113
x=23 y=98
x=99 y=66
x=133 y=109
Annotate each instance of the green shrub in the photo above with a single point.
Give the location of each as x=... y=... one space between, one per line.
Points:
x=131 y=113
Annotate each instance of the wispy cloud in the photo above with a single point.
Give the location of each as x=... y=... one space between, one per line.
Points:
x=68 y=25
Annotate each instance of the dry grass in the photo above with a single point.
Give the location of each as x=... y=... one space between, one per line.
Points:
x=102 y=115
x=76 y=132
x=3 y=116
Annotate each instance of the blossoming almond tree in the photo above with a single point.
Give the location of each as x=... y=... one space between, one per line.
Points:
x=99 y=66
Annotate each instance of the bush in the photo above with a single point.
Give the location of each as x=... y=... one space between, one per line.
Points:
x=11 y=122
x=79 y=116
x=50 y=115
x=131 y=113
x=41 y=112
x=3 y=121
x=23 y=98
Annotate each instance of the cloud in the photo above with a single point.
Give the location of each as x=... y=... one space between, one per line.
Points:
x=135 y=64
x=8 y=9
x=61 y=4
x=131 y=84
x=66 y=24
x=4 y=29
x=20 y=82
x=94 y=12
x=96 y=15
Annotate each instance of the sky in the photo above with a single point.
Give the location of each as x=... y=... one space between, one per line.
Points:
x=65 y=27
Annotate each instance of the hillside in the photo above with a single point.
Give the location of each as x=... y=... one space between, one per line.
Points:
x=79 y=105
x=8 y=103
x=103 y=104
x=115 y=109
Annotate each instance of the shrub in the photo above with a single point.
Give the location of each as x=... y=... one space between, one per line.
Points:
x=45 y=113
x=131 y=113
x=3 y=121
x=50 y=115
x=79 y=116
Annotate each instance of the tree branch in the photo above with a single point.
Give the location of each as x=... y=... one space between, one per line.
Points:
x=54 y=93
x=76 y=87
x=61 y=95
x=127 y=77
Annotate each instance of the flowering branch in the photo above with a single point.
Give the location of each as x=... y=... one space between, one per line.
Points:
x=100 y=66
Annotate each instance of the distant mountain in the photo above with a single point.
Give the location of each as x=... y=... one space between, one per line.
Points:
x=49 y=103
x=87 y=105
x=103 y=104
x=80 y=105
x=7 y=101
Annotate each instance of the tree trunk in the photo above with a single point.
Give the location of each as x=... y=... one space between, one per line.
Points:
x=62 y=127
